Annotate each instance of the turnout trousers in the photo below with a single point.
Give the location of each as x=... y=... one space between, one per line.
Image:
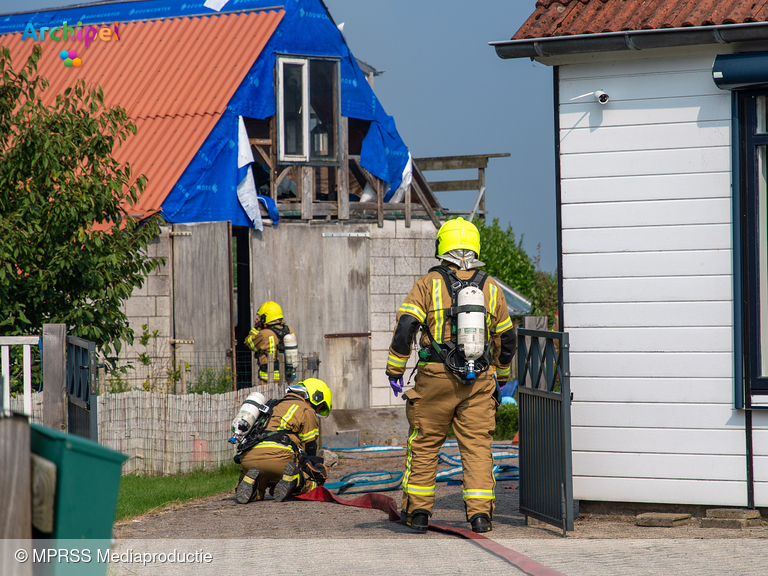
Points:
x=270 y=458
x=438 y=400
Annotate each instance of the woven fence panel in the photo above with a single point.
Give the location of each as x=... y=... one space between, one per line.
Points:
x=165 y=434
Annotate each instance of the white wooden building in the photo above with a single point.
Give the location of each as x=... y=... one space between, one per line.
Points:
x=662 y=243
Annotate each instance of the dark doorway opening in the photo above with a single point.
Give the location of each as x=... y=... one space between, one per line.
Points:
x=241 y=275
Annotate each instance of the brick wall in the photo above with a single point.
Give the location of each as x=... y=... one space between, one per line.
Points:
x=152 y=303
x=399 y=255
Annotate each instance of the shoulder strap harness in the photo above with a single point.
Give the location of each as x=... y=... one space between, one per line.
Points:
x=447 y=351
x=258 y=434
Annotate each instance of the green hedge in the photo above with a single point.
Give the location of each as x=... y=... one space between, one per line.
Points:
x=506 y=422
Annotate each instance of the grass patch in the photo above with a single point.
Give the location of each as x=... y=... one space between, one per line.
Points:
x=140 y=494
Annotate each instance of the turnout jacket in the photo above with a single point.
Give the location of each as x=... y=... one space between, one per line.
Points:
x=297 y=418
x=429 y=302
x=264 y=342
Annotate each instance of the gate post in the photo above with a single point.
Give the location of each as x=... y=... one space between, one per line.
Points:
x=55 y=377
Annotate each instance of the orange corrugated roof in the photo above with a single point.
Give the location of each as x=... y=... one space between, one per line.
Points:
x=173 y=76
x=569 y=17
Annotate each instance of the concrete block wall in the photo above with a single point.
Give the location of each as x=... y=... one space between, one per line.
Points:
x=152 y=304
x=399 y=255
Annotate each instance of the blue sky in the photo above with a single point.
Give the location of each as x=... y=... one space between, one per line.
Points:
x=451 y=95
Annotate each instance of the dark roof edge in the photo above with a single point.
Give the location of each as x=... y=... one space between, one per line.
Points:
x=631 y=40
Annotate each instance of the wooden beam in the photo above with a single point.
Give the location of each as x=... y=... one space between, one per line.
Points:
x=457 y=162
x=454 y=185
x=421 y=183
x=260 y=141
x=16 y=487
x=264 y=156
x=318 y=208
x=408 y=193
x=273 y=157
x=480 y=186
x=55 y=377
x=342 y=172
x=380 y=202
x=367 y=176
x=307 y=180
x=283 y=175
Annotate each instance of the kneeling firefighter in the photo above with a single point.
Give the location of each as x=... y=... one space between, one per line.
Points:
x=467 y=346
x=271 y=335
x=277 y=442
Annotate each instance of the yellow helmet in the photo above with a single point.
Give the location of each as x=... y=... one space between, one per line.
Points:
x=456 y=234
x=269 y=312
x=319 y=395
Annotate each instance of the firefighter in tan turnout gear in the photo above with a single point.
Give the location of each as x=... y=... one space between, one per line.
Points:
x=277 y=442
x=467 y=343
x=271 y=335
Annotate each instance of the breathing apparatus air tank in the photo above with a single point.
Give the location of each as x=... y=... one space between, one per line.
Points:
x=291 y=354
x=252 y=408
x=470 y=326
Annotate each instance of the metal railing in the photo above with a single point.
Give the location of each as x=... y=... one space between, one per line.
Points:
x=82 y=386
x=5 y=374
x=544 y=397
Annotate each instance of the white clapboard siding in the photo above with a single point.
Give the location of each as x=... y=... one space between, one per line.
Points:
x=659 y=441
x=640 y=63
x=700 y=492
x=652 y=289
x=638 y=339
x=672 y=84
x=643 y=264
x=584 y=114
x=645 y=162
x=685 y=416
x=649 y=238
x=647 y=283
x=653 y=364
x=649 y=314
x=665 y=466
x=649 y=187
x=646 y=137
x=648 y=390
x=659 y=212
x=761 y=493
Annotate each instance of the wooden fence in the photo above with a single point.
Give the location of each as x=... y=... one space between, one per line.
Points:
x=165 y=434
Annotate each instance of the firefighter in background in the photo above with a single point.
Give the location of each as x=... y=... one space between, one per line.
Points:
x=286 y=450
x=268 y=336
x=467 y=345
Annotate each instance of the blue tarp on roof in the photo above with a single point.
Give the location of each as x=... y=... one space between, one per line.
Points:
x=207 y=191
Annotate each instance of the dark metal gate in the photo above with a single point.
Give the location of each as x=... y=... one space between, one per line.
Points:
x=81 y=388
x=546 y=481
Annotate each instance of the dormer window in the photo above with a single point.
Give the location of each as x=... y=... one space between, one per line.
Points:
x=308 y=110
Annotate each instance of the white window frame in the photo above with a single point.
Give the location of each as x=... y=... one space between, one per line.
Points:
x=307 y=157
x=304 y=63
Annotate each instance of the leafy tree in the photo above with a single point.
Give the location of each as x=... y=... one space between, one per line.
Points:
x=69 y=250
x=504 y=256
x=506 y=259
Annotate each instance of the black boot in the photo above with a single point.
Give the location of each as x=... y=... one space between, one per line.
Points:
x=418 y=520
x=246 y=489
x=480 y=523
x=290 y=482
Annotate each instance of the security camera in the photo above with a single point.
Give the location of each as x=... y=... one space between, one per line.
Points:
x=601 y=96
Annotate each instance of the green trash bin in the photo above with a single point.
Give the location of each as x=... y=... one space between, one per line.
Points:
x=87 y=483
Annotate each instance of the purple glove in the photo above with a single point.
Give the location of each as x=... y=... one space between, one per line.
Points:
x=396 y=385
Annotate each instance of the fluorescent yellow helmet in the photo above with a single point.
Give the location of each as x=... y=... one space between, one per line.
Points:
x=456 y=234
x=269 y=312
x=319 y=395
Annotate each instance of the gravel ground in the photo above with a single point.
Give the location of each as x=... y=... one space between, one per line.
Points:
x=221 y=517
